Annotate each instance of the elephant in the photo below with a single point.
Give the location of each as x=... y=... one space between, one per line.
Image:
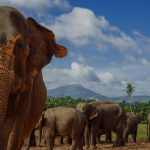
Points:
x=25 y=48
x=131 y=125
x=64 y=121
x=106 y=117
x=148 y=127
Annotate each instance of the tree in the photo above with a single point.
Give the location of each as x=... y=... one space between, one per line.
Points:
x=130 y=90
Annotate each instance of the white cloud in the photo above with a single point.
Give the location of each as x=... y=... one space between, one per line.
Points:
x=77 y=57
x=81 y=27
x=83 y=72
x=110 y=81
x=106 y=77
x=36 y=4
x=145 y=62
x=77 y=73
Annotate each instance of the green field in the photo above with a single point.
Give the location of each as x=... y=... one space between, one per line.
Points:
x=142 y=132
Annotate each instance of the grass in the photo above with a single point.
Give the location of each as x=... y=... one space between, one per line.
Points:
x=142 y=132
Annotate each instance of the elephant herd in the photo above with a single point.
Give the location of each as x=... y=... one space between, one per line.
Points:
x=87 y=122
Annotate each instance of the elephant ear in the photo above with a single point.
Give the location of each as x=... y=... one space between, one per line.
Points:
x=93 y=115
x=43 y=47
x=60 y=51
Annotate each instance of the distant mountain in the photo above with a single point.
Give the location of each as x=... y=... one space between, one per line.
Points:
x=76 y=91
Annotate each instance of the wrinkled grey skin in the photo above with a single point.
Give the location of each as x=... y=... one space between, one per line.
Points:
x=131 y=125
x=106 y=117
x=148 y=127
x=64 y=122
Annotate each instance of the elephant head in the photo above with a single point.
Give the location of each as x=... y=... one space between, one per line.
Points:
x=25 y=48
x=42 y=47
x=90 y=111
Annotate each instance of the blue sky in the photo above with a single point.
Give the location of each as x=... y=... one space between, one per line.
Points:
x=108 y=42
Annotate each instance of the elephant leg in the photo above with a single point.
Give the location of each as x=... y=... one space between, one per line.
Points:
x=106 y=137
x=50 y=138
x=119 y=137
x=69 y=140
x=80 y=145
x=87 y=137
x=110 y=137
x=99 y=138
x=134 y=137
x=93 y=136
x=74 y=144
x=125 y=136
x=81 y=140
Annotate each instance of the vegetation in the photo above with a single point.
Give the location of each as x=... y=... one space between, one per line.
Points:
x=64 y=102
x=130 y=90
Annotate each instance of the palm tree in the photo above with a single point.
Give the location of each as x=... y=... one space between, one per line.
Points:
x=130 y=90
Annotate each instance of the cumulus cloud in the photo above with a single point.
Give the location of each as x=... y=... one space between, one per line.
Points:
x=77 y=73
x=106 y=77
x=100 y=81
x=36 y=4
x=83 y=72
x=81 y=27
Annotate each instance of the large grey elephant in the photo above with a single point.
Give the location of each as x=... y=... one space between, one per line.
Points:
x=64 y=122
x=103 y=116
x=25 y=48
x=131 y=125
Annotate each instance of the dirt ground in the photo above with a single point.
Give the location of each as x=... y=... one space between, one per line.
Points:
x=130 y=146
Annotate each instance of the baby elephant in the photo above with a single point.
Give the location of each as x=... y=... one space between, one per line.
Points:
x=131 y=125
x=64 y=122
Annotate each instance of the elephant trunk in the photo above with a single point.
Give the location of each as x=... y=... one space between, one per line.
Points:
x=6 y=79
x=6 y=74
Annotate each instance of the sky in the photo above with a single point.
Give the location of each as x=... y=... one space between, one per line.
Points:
x=108 y=42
